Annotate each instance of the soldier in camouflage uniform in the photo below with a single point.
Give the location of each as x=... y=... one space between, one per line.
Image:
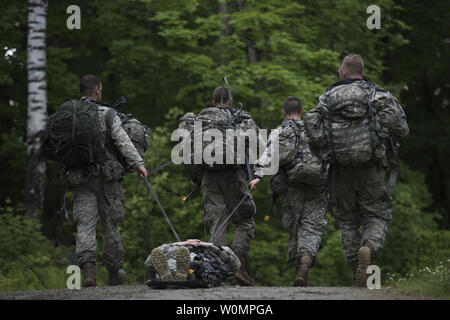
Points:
x=98 y=190
x=304 y=206
x=359 y=192
x=223 y=189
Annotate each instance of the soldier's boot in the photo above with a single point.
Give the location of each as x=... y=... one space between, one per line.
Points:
x=242 y=277
x=354 y=266
x=183 y=259
x=364 y=260
x=159 y=261
x=302 y=272
x=116 y=278
x=89 y=278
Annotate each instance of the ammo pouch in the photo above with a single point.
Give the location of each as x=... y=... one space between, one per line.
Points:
x=279 y=183
x=80 y=175
x=307 y=168
x=112 y=170
x=116 y=200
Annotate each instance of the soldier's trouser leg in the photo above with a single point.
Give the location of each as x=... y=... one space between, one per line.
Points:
x=347 y=215
x=304 y=216
x=243 y=218
x=111 y=211
x=376 y=210
x=293 y=202
x=85 y=216
x=214 y=208
x=362 y=201
x=222 y=191
x=312 y=226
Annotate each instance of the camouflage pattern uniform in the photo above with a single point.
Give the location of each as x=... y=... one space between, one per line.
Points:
x=361 y=197
x=222 y=190
x=98 y=190
x=304 y=206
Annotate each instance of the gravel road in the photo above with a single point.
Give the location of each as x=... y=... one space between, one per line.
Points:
x=143 y=292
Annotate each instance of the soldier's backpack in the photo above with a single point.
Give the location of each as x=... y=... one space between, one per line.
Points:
x=72 y=135
x=136 y=131
x=214 y=120
x=349 y=123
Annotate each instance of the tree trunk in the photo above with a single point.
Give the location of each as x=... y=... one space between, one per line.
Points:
x=222 y=8
x=252 y=58
x=37 y=106
x=251 y=53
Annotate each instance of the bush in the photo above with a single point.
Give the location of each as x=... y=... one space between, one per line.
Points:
x=28 y=261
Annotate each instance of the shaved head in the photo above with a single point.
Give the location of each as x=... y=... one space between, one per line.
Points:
x=352 y=66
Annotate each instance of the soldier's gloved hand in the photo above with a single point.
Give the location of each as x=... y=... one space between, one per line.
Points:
x=142 y=172
x=253 y=183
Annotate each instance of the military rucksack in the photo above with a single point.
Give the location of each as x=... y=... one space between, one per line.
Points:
x=136 y=131
x=349 y=123
x=72 y=135
x=214 y=120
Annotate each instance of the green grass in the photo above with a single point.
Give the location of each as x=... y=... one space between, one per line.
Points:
x=429 y=282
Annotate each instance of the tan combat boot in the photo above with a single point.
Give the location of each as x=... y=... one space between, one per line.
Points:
x=89 y=279
x=183 y=259
x=242 y=277
x=159 y=262
x=116 y=278
x=354 y=266
x=364 y=260
x=302 y=272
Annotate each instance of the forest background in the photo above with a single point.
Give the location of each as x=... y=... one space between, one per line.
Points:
x=166 y=57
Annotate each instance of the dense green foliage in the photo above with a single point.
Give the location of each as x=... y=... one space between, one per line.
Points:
x=167 y=57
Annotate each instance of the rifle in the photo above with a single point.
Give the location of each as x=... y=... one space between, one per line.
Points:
x=119 y=102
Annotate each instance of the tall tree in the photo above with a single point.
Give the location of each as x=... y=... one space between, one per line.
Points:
x=37 y=105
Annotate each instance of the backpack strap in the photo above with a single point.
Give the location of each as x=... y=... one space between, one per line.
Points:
x=109 y=118
x=369 y=88
x=74 y=120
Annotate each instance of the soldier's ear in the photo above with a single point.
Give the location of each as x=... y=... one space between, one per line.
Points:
x=341 y=72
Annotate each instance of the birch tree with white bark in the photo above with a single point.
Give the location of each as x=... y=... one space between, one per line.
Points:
x=37 y=106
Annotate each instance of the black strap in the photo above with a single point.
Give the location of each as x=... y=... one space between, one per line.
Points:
x=162 y=209
x=159 y=168
x=333 y=173
x=63 y=211
x=393 y=167
x=392 y=180
x=109 y=118
x=369 y=88
x=74 y=121
x=272 y=201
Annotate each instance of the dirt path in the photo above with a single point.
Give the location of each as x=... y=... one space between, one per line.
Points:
x=221 y=293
